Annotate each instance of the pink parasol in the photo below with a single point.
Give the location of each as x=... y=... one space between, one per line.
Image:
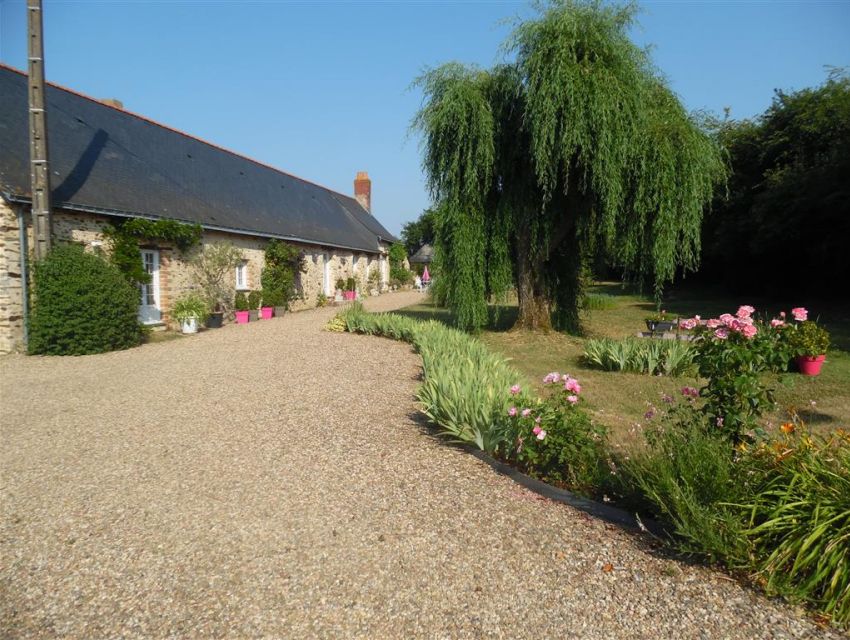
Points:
x=425 y=275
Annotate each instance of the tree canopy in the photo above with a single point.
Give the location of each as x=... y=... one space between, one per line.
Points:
x=787 y=215
x=574 y=146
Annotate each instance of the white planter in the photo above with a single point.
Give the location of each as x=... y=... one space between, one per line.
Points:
x=189 y=325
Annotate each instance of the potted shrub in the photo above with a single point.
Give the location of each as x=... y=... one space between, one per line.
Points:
x=809 y=343
x=351 y=289
x=190 y=310
x=273 y=303
x=254 y=299
x=240 y=305
x=212 y=269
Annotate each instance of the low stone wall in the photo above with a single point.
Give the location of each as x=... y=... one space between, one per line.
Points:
x=175 y=276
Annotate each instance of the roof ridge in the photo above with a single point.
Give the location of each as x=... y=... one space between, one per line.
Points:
x=182 y=133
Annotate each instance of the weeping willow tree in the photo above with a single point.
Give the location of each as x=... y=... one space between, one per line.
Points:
x=575 y=146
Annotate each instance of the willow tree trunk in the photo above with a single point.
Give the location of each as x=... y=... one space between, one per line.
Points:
x=535 y=308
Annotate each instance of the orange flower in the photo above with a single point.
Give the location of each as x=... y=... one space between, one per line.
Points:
x=788 y=427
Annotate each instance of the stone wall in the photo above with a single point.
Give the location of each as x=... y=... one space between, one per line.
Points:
x=175 y=273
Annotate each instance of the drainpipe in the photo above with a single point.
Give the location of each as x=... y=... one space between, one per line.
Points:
x=24 y=250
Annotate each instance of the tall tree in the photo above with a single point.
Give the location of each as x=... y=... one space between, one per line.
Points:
x=574 y=145
x=418 y=232
x=787 y=216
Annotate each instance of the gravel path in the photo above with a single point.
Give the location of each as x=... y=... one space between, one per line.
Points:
x=270 y=480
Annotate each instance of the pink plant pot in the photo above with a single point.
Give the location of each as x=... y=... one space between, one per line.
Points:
x=241 y=317
x=810 y=365
x=350 y=295
x=266 y=313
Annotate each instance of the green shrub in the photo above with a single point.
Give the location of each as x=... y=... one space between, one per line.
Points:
x=555 y=440
x=81 y=304
x=653 y=357
x=687 y=477
x=254 y=299
x=240 y=301
x=283 y=262
x=808 y=339
x=799 y=520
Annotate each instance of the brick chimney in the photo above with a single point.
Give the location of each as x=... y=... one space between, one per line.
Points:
x=363 y=190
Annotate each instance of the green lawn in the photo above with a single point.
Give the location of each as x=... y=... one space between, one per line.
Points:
x=619 y=400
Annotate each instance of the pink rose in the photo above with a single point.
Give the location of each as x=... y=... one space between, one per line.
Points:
x=512 y=412
x=572 y=399
x=782 y=314
x=551 y=377
x=572 y=385
x=745 y=311
x=525 y=413
x=776 y=322
x=800 y=314
x=688 y=324
x=541 y=435
x=722 y=333
x=727 y=319
x=515 y=389
x=536 y=430
x=713 y=323
x=749 y=331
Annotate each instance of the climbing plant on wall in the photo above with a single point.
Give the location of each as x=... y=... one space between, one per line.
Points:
x=124 y=238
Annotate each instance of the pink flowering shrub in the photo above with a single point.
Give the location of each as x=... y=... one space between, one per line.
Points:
x=732 y=351
x=554 y=439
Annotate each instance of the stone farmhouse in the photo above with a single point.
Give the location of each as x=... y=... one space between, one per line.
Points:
x=107 y=163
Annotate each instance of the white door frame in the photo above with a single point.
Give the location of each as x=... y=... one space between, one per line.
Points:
x=150 y=313
x=326 y=276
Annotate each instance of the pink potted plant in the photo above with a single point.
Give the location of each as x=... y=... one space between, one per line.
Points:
x=809 y=343
x=240 y=305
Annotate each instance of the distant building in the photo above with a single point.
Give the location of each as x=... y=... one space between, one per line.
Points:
x=107 y=163
x=424 y=256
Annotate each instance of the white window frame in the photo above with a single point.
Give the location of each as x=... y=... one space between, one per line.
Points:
x=242 y=276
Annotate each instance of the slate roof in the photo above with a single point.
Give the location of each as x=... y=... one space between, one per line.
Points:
x=108 y=160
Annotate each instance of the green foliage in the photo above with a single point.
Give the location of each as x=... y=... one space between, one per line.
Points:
x=688 y=477
x=254 y=299
x=808 y=339
x=652 y=357
x=419 y=232
x=399 y=274
x=577 y=145
x=350 y=284
x=598 y=302
x=124 y=239
x=787 y=214
x=81 y=304
x=340 y=284
x=188 y=306
x=465 y=386
x=240 y=302
x=283 y=262
x=572 y=452
x=212 y=269
x=800 y=521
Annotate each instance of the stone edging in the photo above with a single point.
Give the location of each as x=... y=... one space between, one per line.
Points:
x=599 y=510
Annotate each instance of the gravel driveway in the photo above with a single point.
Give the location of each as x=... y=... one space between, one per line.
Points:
x=271 y=480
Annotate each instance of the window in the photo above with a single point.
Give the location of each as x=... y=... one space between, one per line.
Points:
x=242 y=275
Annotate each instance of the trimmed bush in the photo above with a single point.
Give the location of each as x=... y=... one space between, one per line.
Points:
x=81 y=304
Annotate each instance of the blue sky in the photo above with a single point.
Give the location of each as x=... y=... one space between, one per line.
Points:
x=322 y=89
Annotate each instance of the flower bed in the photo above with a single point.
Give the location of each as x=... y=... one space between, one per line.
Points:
x=777 y=510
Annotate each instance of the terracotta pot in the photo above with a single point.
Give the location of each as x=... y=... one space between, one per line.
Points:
x=810 y=365
x=241 y=316
x=266 y=313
